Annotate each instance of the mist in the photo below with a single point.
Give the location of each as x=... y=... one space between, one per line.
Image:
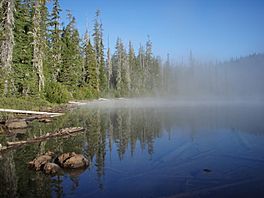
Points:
x=239 y=79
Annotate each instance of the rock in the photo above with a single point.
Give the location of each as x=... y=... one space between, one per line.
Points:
x=63 y=157
x=77 y=161
x=39 y=162
x=51 y=168
x=72 y=160
x=16 y=124
x=206 y=170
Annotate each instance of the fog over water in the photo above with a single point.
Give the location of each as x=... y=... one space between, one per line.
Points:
x=238 y=79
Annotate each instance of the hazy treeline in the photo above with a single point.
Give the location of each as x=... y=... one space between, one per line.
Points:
x=240 y=78
x=41 y=57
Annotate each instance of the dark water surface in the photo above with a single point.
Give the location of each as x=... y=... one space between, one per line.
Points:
x=147 y=150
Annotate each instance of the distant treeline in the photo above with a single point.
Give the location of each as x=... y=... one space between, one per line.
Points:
x=240 y=78
x=41 y=57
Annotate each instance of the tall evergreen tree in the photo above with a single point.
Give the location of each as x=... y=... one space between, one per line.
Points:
x=109 y=69
x=23 y=72
x=134 y=69
x=90 y=73
x=70 y=73
x=125 y=72
x=141 y=73
x=121 y=74
x=148 y=65
x=117 y=64
x=56 y=43
x=99 y=50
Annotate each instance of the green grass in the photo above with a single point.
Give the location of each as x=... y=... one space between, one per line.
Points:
x=22 y=103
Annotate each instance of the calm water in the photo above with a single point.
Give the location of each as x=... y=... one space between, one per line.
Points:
x=147 y=149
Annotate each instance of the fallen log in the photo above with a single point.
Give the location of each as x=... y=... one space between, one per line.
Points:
x=31 y=118
x=31 y=112
x=59 y=133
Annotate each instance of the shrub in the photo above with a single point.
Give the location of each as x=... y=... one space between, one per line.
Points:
x=84 y=93
x=56 y=93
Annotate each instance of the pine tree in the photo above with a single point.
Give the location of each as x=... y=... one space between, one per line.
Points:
x=141 y=68
x=56 y=43
x=121 y=74
x=23 y=72
x=109 y=69
x=134 y=69
x=90 y=73
x=71 y=70
x=148 y=65
x=117 y=64
x=125 y=73
x=99 y=50
x=156 y=74
x=7 y=40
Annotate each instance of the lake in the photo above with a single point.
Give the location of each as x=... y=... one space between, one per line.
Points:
x=147 y=148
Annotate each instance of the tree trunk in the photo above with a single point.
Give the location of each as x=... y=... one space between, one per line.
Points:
x=37 y=46
x=7 y=40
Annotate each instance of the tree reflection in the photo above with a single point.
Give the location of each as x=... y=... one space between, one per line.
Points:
x=112 y=133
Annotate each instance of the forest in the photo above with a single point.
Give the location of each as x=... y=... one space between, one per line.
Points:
x=42 y=58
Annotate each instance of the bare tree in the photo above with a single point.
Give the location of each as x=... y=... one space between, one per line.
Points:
x=7 y=40
x=37 y=45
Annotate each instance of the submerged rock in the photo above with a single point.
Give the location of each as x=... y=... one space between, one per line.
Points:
x=72 y=160
x=39 y=162
x=16 y=124
x=206 y=170
x=51 y=168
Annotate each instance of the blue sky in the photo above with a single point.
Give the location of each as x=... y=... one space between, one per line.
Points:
x=211 y=29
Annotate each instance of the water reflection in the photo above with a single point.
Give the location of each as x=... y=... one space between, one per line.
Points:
x=149 y=152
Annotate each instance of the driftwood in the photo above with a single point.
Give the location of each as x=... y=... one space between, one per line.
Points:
x=31 y=112
x=31 y=118
x=59 y=133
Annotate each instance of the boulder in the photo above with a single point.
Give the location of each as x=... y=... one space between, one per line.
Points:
x=16 y=124
x=39 y=162
x=72 y=160
x=51 y=168
x=63 y=157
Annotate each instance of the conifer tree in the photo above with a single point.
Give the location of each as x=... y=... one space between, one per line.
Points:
x=23 y=72
x=99 y=50
x=109 y=69
x=90 y=73
x=125 y=72
x=134 y=69
x=121 y=74
x=71 y=70
x=56 y=43
x=141 y=75
x=117 y=64
x=148 y=65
